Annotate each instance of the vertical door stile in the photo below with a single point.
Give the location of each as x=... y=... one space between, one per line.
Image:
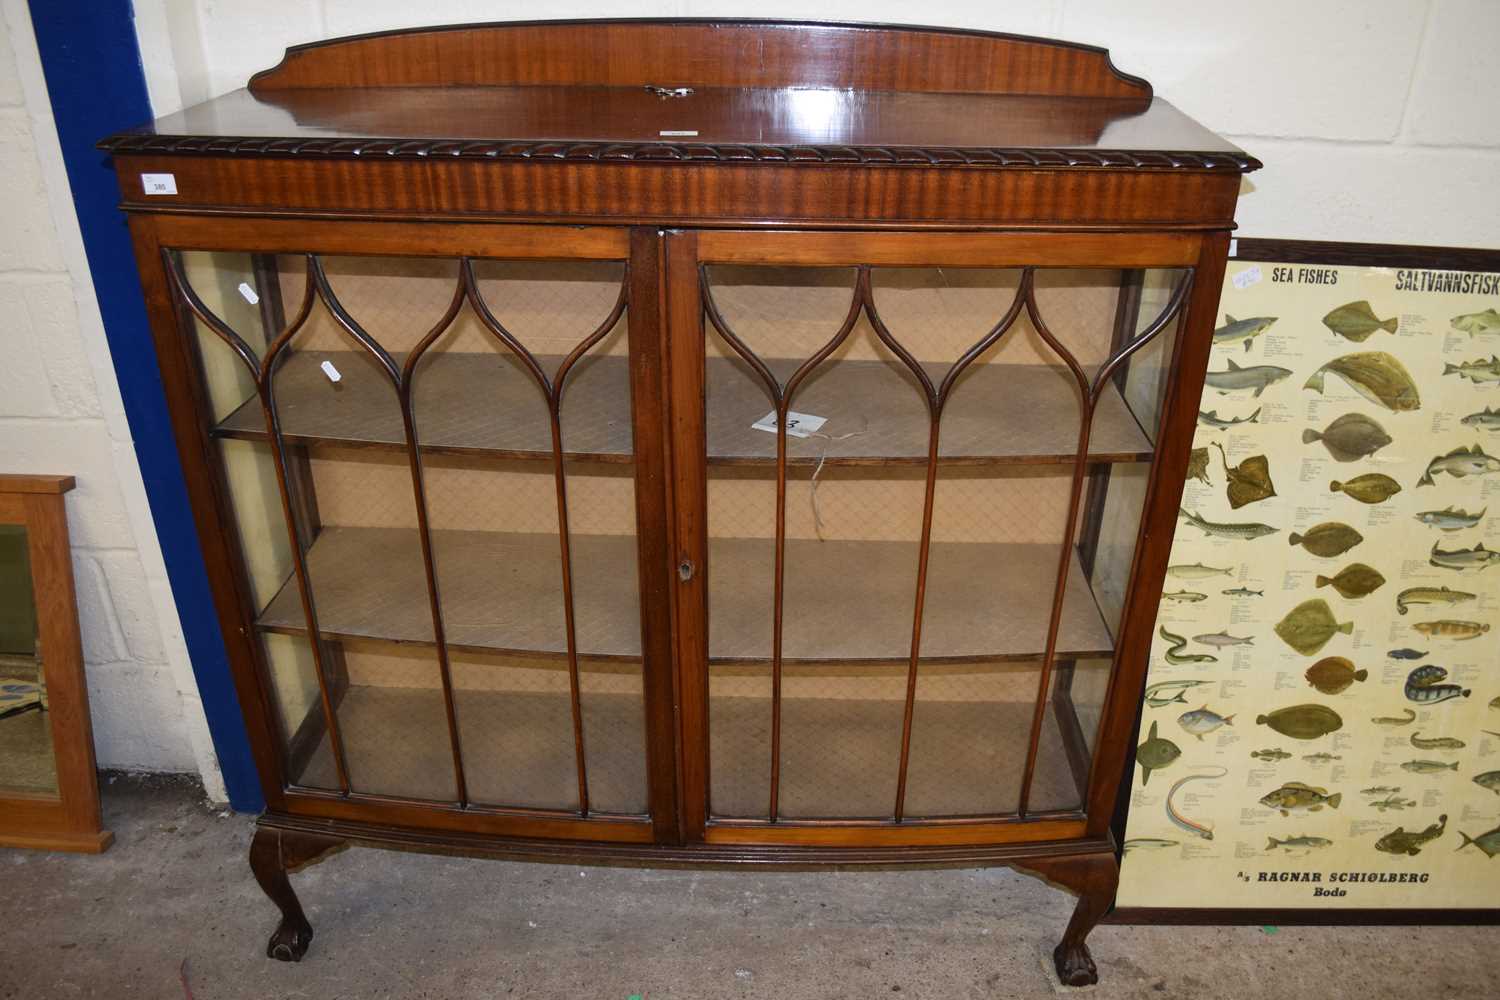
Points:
x=646 y=280
x=684 y=390
x=405 y=391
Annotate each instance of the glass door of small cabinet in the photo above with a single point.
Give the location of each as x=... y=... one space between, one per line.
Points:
x=431 y=470
x=923 y=462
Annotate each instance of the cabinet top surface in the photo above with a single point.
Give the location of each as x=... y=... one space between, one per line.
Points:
x=762 y=91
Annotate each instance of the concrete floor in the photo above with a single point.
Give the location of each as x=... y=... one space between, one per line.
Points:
x=175 y=887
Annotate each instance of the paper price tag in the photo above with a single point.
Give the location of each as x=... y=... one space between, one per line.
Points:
x=798 y=425
x=248 y=293
x=330 y=371
x=678 y=133
x=1249 y=276
x=158 y=184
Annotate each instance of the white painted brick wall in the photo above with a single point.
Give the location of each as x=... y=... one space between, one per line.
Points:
x=1376 y=119
x=60 y=412
x=1345 y=100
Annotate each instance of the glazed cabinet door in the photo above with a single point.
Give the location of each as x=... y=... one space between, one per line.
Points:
x=926 y=488
x=418 y=466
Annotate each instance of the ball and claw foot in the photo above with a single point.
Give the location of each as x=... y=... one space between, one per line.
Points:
x=1075 y=967
x=290 y=941
x=273 y=853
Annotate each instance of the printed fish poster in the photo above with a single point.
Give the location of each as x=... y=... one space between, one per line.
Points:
x=1321 y=725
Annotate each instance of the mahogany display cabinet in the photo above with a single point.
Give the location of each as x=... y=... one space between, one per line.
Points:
x=686 y=442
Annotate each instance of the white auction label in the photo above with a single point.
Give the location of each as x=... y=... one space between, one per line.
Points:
x=679 y=133
x=248 y=293
x=330 y=371
x=798 y=425
x=158 y=184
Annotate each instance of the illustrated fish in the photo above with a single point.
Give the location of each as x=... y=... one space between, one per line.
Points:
x=1380 y=790
x=1430 y=595
x=1243 y=592
x=1329 y=539
x=1370 y=488
x=1394 y=720
x=1156 y=753
x=1147 y=844
x=1350 y=438
x=1175 y=654
x=1198 y=466
x=1449 y=628
x=1247 y=482
x=1376 y=376
x=1237 y=379
x=1272 y=755
x=1353 y=581
x=1476 y=371
x=1222 y=639
x=1393 y=802
x=1398 y=841
x=1333 y=674
x=1185 y=596
x=1489 y=842
x=1164 y=693
x=1477 y=323
x=1197 y=571
x=1295 y=797
x=1424 y=686
x=1246 y=530
x=1235 y=330
x=1478 y=557
x=1436 y=742
x=1459 y=463
x=1321 y=757
x=1302 y=722
x=1450 y=518
x=1297 y=843
x=1356 y=321
x=1489 y=781
x=1427 y=766
x=1218 y=423
x=1182 y=822
x=1487 y=419
x=1202 y=721
x=1308 y=627
x=1406 y=653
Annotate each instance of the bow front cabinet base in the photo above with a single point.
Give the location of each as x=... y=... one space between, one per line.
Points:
x=690 y=443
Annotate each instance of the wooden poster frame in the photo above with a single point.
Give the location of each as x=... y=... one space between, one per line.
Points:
x=1337 y=254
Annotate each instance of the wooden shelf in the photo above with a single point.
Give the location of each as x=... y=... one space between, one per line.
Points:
x=846 y=601
x=840 y=759
x=485 y=405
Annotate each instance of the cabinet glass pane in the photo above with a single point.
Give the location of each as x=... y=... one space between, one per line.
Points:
x=26 y=758
x=896 y=585
x=454 y=441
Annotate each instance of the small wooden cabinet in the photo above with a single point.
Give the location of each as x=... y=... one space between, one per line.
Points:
x=696 y=442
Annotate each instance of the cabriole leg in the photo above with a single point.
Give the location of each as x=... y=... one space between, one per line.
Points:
x=274 y=853
x=1094 y=878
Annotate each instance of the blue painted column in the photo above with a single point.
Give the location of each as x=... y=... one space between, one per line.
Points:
x=97 y=86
